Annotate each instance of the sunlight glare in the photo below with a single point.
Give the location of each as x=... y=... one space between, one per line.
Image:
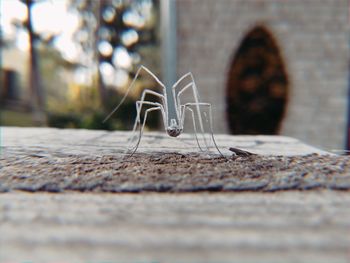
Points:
x=67 y=47
x=14 y=10
x=50 y=17
x=129 y=37
x=134 y=19
x=107 y=71
x=22 y=40
x=121 y=58
x=105 y=48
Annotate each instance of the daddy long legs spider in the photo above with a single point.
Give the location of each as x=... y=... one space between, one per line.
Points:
x=172 y=110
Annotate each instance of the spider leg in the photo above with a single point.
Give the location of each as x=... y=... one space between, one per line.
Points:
x=183 y=108
x=194 y=89
x=154 y=93
x=210 y=121
x=143 y=125
x=196 y=99
x=139 y=105
x=132 y=85
x=143 y=101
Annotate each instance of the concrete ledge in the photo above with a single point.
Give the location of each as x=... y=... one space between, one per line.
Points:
x=240 y=222
x=55 y=160
x=98 y=143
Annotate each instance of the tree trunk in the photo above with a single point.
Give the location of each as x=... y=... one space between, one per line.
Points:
x=35 y=85
x=100 y=83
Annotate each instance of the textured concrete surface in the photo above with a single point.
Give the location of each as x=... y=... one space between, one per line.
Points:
x=46 y=141
x=289 y=226
x=172 y=172
x=57 y=160
x=243 y=226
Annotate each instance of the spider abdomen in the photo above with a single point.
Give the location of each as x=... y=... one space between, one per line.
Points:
x=174 y=132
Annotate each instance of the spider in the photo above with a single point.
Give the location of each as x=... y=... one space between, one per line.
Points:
x=171 y=108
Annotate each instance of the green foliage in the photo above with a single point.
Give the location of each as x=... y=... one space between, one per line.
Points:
x=54 y=69
x=16 y=118
x=85 y=121
x=85 y=111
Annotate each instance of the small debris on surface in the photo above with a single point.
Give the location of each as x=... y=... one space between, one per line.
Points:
x=240 y=152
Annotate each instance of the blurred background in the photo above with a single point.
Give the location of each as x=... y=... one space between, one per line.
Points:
x=266 y=66
x=67 y=63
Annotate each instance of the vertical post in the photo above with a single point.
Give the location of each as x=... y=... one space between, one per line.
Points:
x=347 y=134
x=168 y=33
x=2 y=81
x=347 y=146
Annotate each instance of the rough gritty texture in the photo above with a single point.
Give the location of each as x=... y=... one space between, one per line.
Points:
x=263 y=223
x=57 y=160
x=311 y=226
x=174 y=173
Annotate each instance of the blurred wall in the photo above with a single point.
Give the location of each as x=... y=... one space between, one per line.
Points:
x=313 y=36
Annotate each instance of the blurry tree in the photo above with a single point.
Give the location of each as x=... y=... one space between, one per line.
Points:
x=117 y=35
x=35 y=83
x=46 y=67
x=54 y=71
x=36 y=87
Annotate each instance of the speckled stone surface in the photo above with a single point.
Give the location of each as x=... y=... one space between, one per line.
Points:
x=97 y=143
x=80 y=160
x=74 y=196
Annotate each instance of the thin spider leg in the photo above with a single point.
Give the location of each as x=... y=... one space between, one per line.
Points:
x=188 y=74
x=211 y=130
x=199 y=114
x=194 y=88
x=154 y=93
x=192 y=84
x=173 y=89
x=210 y=121
x=183 y=107
x=210 y=125
x=139 y=105
x=178 y=100
x=137 y=120
x=132 y=85
x=142 y=100
x=142 y=127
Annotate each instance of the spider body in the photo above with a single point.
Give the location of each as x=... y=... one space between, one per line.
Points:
x=174 y=129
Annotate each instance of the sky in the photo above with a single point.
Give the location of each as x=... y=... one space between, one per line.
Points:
x=48 y=17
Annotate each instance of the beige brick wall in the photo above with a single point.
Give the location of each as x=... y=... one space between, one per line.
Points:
x=313 y=36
